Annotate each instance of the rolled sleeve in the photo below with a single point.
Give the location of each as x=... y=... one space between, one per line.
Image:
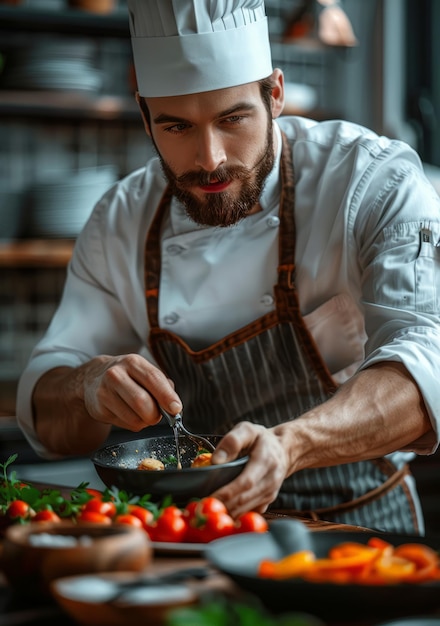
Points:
x=417 y=348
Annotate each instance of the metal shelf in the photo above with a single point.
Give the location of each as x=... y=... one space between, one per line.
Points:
x=68 y=104
x=36 y=253
x=64 y=22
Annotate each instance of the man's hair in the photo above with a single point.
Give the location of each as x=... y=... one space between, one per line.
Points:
x=266 y=86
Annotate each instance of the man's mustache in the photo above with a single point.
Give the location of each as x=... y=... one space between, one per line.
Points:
x=221 y=175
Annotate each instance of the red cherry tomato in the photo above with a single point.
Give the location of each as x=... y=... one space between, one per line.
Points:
x=128 y=519
x=106 y=507
x=208 y=519
x=251 y=522
x=46 y=515
x=217 y=525
x=205 y=506
x=19 y=509
x=170 y=526
x=94 y=517
x=145 y=516
x=94 y=492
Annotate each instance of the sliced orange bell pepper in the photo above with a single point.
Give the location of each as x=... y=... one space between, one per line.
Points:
x=394 y=568
x=345 y=562
x=425 y=559
x=290 y=566
x=358 y=553
x=381 y=544
x=375 y=563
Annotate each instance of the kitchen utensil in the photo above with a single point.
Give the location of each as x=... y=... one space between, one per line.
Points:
x=291 y=535
x=117 y=465
x=176 y=423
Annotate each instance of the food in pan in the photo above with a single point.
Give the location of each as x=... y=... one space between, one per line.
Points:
x=151 y=465
x=377 y=562
x=202 y=460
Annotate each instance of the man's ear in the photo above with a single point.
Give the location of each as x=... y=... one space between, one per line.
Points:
x=142 y=107
x=277 y=93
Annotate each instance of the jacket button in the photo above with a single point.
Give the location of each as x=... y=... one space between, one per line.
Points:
x=171 y=318
x=273 y=221
x=267 y=299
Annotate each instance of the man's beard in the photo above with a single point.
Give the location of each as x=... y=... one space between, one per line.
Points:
x=223 y=208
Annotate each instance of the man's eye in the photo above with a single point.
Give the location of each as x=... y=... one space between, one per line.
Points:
x=177 y=128
x=234 y=119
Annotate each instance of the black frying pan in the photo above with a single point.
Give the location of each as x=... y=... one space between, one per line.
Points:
x=117 y=464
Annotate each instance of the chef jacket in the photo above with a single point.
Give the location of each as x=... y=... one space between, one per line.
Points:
x=367 y=259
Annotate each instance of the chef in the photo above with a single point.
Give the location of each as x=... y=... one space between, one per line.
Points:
x=275 y=278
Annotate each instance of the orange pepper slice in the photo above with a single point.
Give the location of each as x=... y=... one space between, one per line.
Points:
x=394 y=569
x=357 y=552
x=375 y=563
x=379 y=543
x=290 y=566
x=425 y=559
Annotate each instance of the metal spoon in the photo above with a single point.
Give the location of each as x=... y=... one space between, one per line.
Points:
x=176 y=423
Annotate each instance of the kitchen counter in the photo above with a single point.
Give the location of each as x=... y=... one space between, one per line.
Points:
x=17 y=611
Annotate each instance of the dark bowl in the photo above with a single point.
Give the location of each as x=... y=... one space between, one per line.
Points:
x=238 y=557
x=117 y=465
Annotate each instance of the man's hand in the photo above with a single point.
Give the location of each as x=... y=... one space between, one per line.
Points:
x=126 y=390
x=74 y=408
x=259 y=482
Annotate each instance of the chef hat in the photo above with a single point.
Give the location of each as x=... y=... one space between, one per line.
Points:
x=189 y=46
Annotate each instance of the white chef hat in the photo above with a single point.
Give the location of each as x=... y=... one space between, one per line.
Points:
x=189 y=46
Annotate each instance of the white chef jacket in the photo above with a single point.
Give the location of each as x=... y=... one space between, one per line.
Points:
x=367 y=257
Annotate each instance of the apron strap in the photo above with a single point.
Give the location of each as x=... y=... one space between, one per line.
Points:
x=393 y=481
x=152 y=261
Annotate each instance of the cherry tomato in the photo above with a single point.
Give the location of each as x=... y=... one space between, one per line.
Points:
x=208 y=519
x=94 y=492
x=93 y=516
x=145 y=516
x=204 y=529
x=46 y=515
x=129 y=520
x=19 y=509
x=106 y=507
x=251 y=522
x=170 y=526
x=217 y=524
x=197 y=510
x=208 y=505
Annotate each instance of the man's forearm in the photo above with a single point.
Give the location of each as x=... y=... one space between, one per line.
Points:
x=62 y=422
x=378 y=411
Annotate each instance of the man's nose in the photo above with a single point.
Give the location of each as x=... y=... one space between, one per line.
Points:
x=210 y=151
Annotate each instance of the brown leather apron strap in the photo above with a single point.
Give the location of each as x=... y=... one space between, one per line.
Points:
x=391 y=483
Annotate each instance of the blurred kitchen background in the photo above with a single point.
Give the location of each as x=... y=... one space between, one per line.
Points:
x=69 y=127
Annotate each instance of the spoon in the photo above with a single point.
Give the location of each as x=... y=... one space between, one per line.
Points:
x=291 y=535
x=176 y=423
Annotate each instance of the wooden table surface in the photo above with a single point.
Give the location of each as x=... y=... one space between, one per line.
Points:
x=16 y=611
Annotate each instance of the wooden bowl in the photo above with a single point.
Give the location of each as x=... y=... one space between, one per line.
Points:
x=37 y=553
x=89 y=600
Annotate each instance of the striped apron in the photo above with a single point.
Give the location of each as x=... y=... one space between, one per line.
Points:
x=269 y=372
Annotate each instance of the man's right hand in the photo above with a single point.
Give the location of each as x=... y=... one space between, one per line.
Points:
x=74 y=408
x=126 y=390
